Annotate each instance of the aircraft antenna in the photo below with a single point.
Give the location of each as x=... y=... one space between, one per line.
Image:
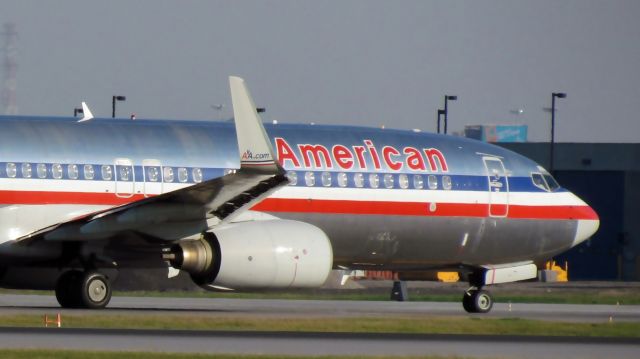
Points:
x=10 y=50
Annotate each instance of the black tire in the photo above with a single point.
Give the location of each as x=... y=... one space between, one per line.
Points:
x=95 y=291
x=477 y=301
x=67 y=289
x=467 y=302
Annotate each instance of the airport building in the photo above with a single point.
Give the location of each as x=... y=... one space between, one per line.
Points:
x=607 y=177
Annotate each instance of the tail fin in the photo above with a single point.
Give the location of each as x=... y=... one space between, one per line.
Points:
x=87 y=113
x=253 y=143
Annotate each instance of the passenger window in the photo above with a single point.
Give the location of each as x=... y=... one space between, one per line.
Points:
x=197 y=175
x=403 y=181
x=293 y=178
x=183 y=175
x=309 y=179
x=342 y=179
x=358 y=180
x=89 y=172
x=446 y=182
x=11 y=170
x=418 y=182
x=26 y=170
x=167 y=173
x=72 y=171
x=326 y=179
x=125 y=173
x=107 y=172
x=56 y=170
x=388 y=180
x=41 y=170
x=374 y=180
x=153 y=174
x=432 y=182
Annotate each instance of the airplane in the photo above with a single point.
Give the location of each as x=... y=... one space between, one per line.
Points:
x=245 y=205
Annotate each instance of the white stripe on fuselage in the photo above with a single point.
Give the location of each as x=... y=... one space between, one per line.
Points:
x=86 y=186
x=425 y=196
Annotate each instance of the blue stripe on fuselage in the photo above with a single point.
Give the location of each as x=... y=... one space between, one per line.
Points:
x=458 y=182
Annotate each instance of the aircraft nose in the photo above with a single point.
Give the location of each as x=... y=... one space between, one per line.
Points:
x=588 y=223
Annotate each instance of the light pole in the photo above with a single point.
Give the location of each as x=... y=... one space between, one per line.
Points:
x=447 y=98
x=440 y=113
x=113 y=104
x=553 y=125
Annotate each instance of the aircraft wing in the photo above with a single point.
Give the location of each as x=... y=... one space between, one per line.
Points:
x=193 y=209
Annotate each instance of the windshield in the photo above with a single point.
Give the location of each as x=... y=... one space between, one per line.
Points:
x=544 y=181
x=551 y=182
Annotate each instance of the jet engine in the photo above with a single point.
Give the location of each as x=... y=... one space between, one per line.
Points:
x=256 y=254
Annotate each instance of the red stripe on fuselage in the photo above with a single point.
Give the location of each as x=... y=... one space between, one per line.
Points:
x=420 y=209
x=321 y=206
x=86 y=198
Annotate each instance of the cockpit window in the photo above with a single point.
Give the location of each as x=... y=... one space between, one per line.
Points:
x=544 y=181
x=551 y=182
x=538 y=181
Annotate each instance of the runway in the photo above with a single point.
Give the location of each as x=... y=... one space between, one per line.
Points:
x=11 y=303
x=477 y=346
x=286 y=343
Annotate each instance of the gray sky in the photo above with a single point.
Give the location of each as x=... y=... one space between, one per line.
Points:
x=339 y=62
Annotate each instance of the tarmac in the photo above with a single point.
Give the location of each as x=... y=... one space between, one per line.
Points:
x=248 y=342
x=287 y=343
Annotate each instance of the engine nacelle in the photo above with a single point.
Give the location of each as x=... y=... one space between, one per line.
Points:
x=258 y=254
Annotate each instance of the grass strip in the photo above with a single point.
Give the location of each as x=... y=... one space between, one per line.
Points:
x=73 y=354
x=423 y=325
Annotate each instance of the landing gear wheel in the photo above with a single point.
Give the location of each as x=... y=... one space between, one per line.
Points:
x=95 y=291
x=477 y=301
x=66 y=289
x=76 y=289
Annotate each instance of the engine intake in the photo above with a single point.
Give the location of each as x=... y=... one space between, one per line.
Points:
x=257 y=254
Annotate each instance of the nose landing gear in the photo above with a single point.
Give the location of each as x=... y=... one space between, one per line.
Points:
x=476 y=300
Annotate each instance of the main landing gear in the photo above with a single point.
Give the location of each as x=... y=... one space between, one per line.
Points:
x=77 y=289
x=476 y=300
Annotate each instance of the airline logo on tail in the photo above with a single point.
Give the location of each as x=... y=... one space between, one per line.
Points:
x=248 y=157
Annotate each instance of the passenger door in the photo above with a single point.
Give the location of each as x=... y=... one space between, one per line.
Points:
x=125 y=178
x=498 y=187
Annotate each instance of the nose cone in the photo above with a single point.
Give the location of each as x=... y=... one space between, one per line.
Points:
x=588 y=223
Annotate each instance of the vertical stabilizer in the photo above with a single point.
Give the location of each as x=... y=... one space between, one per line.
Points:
x=87 y=115
x=253 y=143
